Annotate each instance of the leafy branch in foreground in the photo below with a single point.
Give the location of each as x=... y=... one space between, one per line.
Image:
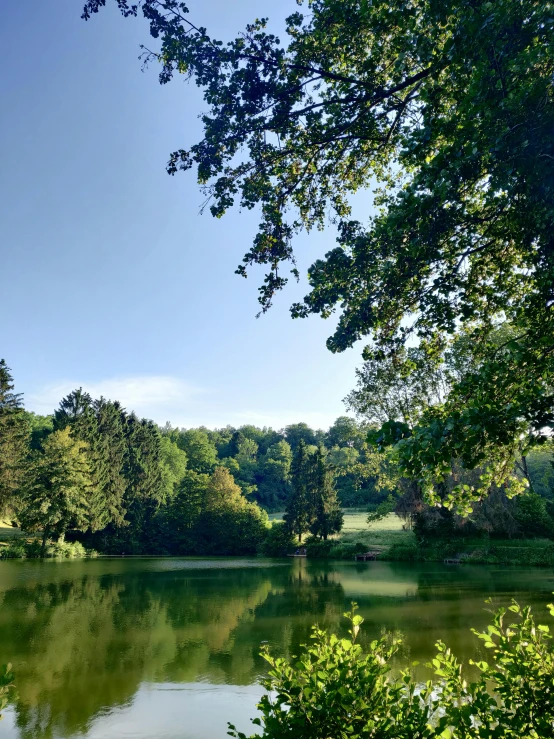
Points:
x=448 y=109
x=335 y=690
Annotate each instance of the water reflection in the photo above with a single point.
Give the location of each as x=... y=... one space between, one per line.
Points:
x=86 y=638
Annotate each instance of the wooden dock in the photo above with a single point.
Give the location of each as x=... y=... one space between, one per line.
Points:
x=366 y=557
x=457 y=559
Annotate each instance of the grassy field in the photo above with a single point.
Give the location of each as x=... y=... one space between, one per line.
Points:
x=380 y=535
x=391 y=540
x=7 y=531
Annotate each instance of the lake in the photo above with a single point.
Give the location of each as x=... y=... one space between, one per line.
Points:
x=169 y=648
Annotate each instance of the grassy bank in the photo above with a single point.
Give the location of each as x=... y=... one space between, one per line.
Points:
x=15 y=544
x=392 y=542
x=23 y=548
x=9 y=532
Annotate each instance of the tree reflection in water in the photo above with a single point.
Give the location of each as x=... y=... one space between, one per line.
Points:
x=84 y=636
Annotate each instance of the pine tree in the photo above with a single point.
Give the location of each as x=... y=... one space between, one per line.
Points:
x=328 y=518
x=108 y=457
x=143 y=476
x=14 y=439
x=299 y=512
x=57 y=489
x=100 y=425
x=75 y=410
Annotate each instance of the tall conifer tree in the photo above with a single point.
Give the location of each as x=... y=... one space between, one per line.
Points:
x=100 y=425
x=14 y=439
x=143 y=474
x=108 y=458
x=328 y=516
x=299 y=512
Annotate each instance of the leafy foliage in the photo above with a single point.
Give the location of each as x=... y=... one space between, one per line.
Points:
x=59 y=549
x=382 y=510
x=143 y=494
x=200 y=450
x=335 y=690
x=6 y=685
x=57 y=489
x=278 y=541
x=446 y=111
x=210 y=515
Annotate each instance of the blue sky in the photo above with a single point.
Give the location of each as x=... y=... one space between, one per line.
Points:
x=111 y=279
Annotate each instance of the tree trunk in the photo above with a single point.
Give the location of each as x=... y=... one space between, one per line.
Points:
x=526 y=472
x=44 y=537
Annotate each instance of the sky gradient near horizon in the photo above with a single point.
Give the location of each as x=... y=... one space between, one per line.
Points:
x=112 y=280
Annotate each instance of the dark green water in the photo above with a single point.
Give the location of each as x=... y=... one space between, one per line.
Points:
x=168 y=648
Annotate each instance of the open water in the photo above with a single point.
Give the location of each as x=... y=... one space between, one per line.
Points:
x=169 y=648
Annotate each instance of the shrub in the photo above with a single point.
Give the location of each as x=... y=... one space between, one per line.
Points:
x=404 y=553
x=532 y=516
x=14 y=550
x=278 y=541
x=317 y=548
x=335 y=690
x=347 y=551
x=67 y=550
x=60 y=549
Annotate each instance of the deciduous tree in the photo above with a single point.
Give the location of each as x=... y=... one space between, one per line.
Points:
x=446 y=111
x=57 y=489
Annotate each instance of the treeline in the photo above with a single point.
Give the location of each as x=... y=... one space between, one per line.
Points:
x=261 y=459
x=121 y=484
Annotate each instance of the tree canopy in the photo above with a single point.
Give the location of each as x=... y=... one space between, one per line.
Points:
x=445 y=110
x=57 y=488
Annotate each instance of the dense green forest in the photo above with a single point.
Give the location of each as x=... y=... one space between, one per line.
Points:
x=122 y=484
x=96 y=473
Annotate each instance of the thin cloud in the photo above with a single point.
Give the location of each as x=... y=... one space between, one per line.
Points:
x=154 y=397
x=165 y=398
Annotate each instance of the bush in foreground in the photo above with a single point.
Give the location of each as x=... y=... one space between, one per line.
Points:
x=335 y=691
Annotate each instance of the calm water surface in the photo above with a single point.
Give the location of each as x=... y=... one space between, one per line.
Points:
x=168 y=648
